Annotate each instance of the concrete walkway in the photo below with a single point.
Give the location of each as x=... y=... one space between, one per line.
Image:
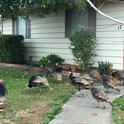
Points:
x=82 y=110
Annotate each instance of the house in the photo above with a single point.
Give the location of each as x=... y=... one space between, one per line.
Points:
x=51 y=34
x=110 y=35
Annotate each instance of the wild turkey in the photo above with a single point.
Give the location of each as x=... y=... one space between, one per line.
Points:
x=3 y=92
x=37 y=81
x=78 y=82
x=118 y=75
x=57 y=72
x=99 y=95
x=93 y=73
x=108 y=83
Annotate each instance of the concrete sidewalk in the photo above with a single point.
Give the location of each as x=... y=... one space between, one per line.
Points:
x=82 y=110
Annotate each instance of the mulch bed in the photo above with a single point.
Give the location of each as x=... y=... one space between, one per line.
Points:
x=19 y=66
x=27 y=68
x=30 y=68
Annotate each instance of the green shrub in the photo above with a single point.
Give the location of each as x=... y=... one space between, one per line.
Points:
x=50 y=60
x=82 y=46
x=53 y=59
x=104 y=67
x=12 y=49
x=44 y=62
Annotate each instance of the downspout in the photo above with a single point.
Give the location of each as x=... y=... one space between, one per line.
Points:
x=109 y=17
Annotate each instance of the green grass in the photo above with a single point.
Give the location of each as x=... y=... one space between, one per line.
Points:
x=118 y=111
x=32 y=105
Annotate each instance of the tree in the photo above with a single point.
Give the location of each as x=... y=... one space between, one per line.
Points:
x=82 y=45
x=23 y=7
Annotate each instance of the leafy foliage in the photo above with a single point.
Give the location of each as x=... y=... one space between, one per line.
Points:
x=82 y=46
x=16 y=7
x=104 y=67
x=44 y=62
x=51 y=60
x=12 y=49
x=25 y=7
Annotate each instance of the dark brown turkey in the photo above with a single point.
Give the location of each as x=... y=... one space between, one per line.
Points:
x=108 y=83
x=3 y=92
x=118 y=75
x=37 y=81
x=79 y=82
x=99 y=95
x=93 y=73
x=57 y=72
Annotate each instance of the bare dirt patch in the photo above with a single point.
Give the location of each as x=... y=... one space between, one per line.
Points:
x=33 y=115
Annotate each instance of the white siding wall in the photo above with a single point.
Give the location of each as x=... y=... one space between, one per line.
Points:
x=7 y=26
x=110 y=38
x=48 y=36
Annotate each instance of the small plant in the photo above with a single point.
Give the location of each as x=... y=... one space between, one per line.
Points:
x=44 y=62
x=82 y=46
x=104 y=67
x=53 y=59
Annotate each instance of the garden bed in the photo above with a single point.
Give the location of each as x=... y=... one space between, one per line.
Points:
x=19 y=66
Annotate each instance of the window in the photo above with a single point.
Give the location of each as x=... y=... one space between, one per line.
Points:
x=75 y=21
x=21 y=25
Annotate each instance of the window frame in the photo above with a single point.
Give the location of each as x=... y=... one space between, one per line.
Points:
x=15 y=26
x=73 y=20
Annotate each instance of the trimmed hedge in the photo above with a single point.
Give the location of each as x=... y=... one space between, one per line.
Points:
x=12 y=49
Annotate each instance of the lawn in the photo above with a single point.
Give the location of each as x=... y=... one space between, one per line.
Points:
x=118 y=110
x=31 y=106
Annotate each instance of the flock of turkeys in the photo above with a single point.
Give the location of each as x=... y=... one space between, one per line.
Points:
x=108 y=82
x=79 y=82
